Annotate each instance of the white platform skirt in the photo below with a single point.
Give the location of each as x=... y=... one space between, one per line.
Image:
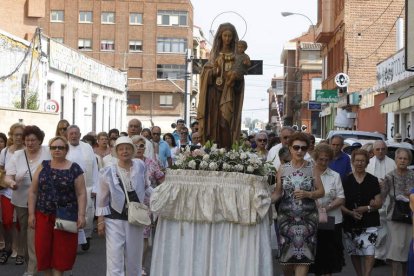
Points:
x=227 y=233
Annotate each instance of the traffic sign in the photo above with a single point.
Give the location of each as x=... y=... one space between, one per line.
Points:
x=52 y=106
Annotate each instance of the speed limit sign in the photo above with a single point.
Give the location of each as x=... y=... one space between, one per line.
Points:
x=52 y=106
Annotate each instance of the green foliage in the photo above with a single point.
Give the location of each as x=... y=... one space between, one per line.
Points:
x=32 y=102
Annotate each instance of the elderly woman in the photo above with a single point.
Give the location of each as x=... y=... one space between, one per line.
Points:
x=124 y=241
x=361 y=217
x=329 y=249
x=261 y=142
x=15 y=143
x=298 y=186
x=19 y=174
x=397 y=185
x=155 y=177
x=58 y=187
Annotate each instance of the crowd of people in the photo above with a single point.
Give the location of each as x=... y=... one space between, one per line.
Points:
x=327 y=202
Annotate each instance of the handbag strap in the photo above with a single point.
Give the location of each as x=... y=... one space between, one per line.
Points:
x=123 y=180
x=27 y=162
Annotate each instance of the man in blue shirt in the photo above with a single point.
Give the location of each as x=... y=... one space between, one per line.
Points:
x=164 y=152
x=177 y=131
x=341 y=163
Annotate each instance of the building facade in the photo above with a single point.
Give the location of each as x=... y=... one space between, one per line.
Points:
x=356 y=35
x=43 y=81
x=147 y=39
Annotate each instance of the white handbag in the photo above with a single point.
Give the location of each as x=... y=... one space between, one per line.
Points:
x=66 y=225
x=137 y=212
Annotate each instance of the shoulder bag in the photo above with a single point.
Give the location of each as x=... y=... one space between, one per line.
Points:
x=402 y=211
x=137 y=212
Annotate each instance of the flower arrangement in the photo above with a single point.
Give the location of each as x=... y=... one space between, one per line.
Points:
x=211 y=158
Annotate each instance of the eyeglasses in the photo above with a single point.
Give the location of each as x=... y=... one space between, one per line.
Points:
x=262 y=140
x=18 y=134
x=141 y=146
x=184 y=133
x=297 y=148
x=57 y=147
x=380 y=149
x=63 y=128
x=156 y=133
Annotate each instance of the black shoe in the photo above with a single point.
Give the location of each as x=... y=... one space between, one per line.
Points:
x=379 y=262
x=4 y=256
x=85 y=246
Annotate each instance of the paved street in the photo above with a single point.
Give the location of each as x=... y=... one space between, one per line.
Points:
x=92 y=263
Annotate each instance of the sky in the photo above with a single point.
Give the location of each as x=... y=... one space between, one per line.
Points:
x=265 y=30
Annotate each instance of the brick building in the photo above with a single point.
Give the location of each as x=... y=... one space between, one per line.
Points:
x=302 y=76
x=148 y=39
x=356 y=35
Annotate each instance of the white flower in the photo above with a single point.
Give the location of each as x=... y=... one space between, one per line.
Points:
x=250 y=169
x=243 y=155
x=213 y=166
x=214 y=147
x=203 y=165
x=226 y=166
x=206 y=157
x=178 y=162
x=239 y=167
x=192 y=164
x=222 y=151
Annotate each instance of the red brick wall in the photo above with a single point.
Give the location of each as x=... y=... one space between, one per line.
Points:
x=371 y=119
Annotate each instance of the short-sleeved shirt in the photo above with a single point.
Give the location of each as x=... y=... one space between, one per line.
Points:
x=163 y=152
x=360 y=195
x=341 y=165
x=57 y=190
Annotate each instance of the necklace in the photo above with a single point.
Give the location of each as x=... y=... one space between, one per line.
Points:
x=300 y=167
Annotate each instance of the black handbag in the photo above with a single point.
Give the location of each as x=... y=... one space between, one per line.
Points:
x=402 y=211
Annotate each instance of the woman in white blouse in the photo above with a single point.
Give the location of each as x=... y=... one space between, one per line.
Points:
x=124 y=241
x=329 y=250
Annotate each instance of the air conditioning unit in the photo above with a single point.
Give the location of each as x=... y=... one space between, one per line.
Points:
x=351 y=115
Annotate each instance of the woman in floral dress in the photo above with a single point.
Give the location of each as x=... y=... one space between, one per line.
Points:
x=297 y=188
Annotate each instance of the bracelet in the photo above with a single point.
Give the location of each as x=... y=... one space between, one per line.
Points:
x=99 y=223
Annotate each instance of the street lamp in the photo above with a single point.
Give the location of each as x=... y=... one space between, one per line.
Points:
x=285 y=14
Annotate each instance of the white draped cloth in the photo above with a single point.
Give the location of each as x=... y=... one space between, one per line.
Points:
x=211 y=223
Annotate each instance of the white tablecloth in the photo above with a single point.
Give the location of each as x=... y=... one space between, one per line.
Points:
x=211 y=223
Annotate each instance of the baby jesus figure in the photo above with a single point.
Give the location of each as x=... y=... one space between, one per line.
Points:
x=240 y=66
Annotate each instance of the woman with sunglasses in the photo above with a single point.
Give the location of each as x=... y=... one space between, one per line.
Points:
x=261 y=142
x=155 y=177
x=61 y=128
x=58 y=186
x=297 y=188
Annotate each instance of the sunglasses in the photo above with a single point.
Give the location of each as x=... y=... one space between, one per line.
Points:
x=184 y=133
x=63 y=128
x=141 y=146
x=57 y=147
x=156 y=133
x=262 y=140
x=297 y=148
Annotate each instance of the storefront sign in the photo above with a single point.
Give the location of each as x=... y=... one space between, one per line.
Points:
x=314 y=105
x=326 y=96
x=392 y=70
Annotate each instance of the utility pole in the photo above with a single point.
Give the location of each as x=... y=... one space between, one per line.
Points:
x=187 y=86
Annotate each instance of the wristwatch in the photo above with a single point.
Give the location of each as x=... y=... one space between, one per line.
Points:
x=369 y=209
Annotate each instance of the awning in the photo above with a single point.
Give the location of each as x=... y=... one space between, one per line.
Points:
x=398 y=101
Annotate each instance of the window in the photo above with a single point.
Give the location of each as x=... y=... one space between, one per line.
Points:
x=166 y=100
x=170 y=71
x=134 y=99
x=171 y=45
x=135 y=73
x=57 y=16
x=172 y=18
x=84 y=44
x=107 y=45
x=135 y=45
x=135 y=18
x=108 y=18
x=85 y=17
x=58 y=39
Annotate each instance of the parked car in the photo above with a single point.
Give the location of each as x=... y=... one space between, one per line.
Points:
x=356 y=134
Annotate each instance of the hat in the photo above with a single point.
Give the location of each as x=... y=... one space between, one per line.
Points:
x=123 y=140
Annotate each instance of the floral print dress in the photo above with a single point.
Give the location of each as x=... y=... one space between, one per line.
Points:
x=297 y=219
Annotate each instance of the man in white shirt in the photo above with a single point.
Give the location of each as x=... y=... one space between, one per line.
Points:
x=380 y=165
x=135 y=128
x=273 y=154
x=83 y=154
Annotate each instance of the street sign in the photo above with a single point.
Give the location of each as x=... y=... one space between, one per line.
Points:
x=342 y=80
x=314 y=105
x=326 y=96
